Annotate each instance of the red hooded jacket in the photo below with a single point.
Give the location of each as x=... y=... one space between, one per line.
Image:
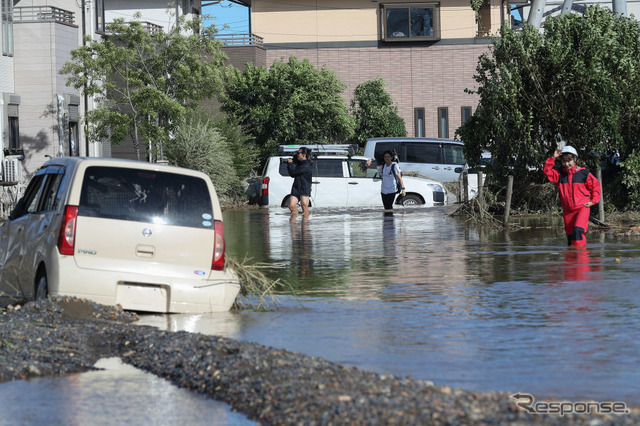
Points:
x=576 y=186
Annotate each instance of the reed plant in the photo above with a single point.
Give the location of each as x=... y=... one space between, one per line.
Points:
x=257 y=291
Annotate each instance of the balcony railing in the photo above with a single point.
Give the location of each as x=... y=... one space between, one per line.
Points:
x=43 y=14
x=240 y=39
x=150 y=27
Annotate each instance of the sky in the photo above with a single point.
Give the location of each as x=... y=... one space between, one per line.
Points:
x=233 y=15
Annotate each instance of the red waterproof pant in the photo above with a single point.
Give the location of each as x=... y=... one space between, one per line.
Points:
x=575 y=226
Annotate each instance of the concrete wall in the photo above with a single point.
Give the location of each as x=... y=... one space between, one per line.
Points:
x=156 y=12
x=309 y=21
x=6 y=86
x=345 y=37
x=416 y=77
x=40 y=51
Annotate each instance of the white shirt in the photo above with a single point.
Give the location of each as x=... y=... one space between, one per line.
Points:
x=388 y=179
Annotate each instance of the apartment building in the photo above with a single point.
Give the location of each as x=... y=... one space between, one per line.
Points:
x=426 y=51
x=40 y=116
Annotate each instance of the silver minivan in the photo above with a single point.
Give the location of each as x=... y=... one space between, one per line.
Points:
x=146 y=236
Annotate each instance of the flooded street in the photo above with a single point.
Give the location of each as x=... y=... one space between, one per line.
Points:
x=415 y=294
x=115 y=394
x=421 y=294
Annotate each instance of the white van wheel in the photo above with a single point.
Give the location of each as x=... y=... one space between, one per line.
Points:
x=42 y=289
x=410 y=200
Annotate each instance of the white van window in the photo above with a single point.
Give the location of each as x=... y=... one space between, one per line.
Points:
x=327 y=168
x=146 y=196
x=453 y=154
x=359 y=169
x=381 y=147
x=422 y=153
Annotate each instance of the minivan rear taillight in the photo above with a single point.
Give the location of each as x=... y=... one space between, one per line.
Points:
x=218 y=248
x=265 y=186
x=67 y=236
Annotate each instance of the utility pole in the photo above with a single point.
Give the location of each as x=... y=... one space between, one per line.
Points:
x=620 y=7
x=535 y=14
x=566 y=6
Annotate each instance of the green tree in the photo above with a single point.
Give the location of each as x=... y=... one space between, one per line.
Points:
x=291 y=102
x=145 y=82
x=376 y=115
x=197 y=144
x=578 y=82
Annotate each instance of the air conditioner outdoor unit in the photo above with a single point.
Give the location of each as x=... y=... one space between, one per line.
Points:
x=12 y=170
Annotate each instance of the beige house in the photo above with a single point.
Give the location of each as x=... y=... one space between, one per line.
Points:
x=427 y=52
x=40 y=117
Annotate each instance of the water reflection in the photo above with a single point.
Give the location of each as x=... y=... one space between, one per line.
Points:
x=421 y=294
x=389 y=237
x=301 y=245
x=115 y=394
x=578 y=265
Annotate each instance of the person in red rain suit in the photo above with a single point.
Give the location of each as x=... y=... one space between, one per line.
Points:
x=579 y=190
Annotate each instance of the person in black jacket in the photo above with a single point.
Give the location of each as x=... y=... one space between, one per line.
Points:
x=300 y=171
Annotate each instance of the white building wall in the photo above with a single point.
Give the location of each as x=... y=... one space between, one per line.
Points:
x=156 y=12
x=554 y=8
x=6 y=86
x=40 y=51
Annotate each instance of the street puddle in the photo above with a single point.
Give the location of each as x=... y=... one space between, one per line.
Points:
x=116 y=394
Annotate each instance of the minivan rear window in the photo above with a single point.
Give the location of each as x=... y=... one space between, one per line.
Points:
x=145 y=196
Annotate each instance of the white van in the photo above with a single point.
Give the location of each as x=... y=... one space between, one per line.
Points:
x=342 y=180
x=438 y=159
x=146 y=236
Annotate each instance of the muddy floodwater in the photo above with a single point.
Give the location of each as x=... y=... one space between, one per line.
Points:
x=420 y=293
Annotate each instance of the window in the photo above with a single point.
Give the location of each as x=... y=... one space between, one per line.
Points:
x=423 y=153
x=73 y=139
x=465 y=114
x=32 y=195
x=359 y=169
x=145 y=196
x=443 y=122
x=484 y=19
x=410 y=21
x=381 y=147
x=327 y=168
x=100 y=24
x=453 y=154
x=7 y=27
x=14 y=133
x=419 y=120
x=50 y=194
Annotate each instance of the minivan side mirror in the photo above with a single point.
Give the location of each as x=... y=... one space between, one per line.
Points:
x=458 y=170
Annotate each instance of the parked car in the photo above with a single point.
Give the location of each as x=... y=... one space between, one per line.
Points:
x=342 y=180
x=146 y=236
x=439 y=159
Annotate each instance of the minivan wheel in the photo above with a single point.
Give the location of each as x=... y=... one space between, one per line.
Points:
x=42 y=289
x=410 y=200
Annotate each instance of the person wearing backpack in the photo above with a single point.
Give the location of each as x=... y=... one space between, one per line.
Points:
x=391 y=180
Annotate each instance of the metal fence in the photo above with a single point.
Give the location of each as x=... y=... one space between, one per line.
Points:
x=240 y=39
x=43 y=14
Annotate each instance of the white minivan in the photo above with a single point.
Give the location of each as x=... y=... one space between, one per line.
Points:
x=342 y=180
x=146 y=236
x=439 y=159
